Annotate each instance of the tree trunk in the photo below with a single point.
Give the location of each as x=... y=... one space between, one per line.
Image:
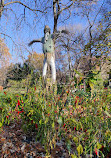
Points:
x=90 y=49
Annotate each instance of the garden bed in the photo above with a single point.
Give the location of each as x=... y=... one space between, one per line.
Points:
x=66 y=125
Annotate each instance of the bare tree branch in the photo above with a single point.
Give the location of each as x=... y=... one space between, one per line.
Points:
x=24 y=6
x=9 y=37
x=1 y=7
x=67 y=7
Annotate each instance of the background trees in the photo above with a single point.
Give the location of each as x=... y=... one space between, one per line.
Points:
x=88 y=23
x=5 y=57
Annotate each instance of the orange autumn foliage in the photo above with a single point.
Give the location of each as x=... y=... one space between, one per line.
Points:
x=1 y=88
x=36 y=60
x=5 y=56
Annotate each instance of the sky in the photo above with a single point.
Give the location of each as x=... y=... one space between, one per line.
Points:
x=19 y=31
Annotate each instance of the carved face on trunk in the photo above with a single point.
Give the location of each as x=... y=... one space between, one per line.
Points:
x=46 y=36
x=46 y=32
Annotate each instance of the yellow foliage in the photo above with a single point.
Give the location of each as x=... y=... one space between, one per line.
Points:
x=73 y=156
x=76 y=139
x=36 y=60
x=80 y=149
x=1 y=124
x=5 y=56
x=99 y=146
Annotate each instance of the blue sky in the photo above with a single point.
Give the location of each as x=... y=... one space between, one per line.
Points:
x=21 y=32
